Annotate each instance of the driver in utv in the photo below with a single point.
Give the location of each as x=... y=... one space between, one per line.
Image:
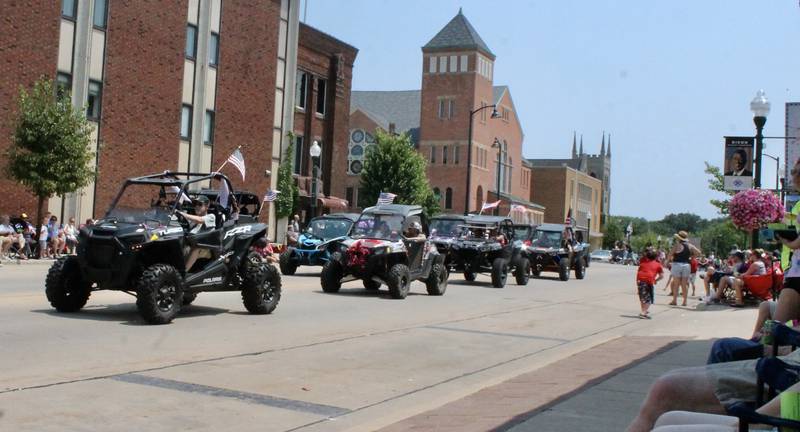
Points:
x=203 y=221
x=414 y=232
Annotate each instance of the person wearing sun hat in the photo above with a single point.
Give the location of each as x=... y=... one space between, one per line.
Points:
x=679 y=258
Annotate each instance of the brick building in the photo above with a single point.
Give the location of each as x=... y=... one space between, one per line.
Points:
x=174 y=85
x=457 y=78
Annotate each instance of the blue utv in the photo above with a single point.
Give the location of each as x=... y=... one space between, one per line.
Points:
x=313 y=245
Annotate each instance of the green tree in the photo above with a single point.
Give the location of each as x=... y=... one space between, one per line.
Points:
x=721 y=236
x=289 y=193
x=717 y=184
x=612 y=233
x=394 y=166
x=49 y=153
x=673 y=223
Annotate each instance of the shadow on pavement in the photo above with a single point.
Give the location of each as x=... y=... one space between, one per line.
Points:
x=126 y=313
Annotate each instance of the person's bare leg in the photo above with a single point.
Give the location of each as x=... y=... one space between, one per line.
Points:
x=763 y=315
x=738 y=286
x=190 y=260
x=721 y=286
x=675 y=287
x=788 y=305
x=684 y=289
x=687 y=389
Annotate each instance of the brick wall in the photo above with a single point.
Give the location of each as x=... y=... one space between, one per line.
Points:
x=550 y=190
x=28 y=50
x=246 y=89
x=140 y=123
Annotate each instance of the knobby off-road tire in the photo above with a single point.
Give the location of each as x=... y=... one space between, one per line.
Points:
x=371 y=285
x=436 y=283
x=580 y=269
x=470 y=276
x=563 y=269
x=188 y=298
x=398 y=281
x=522 y=271
x=159 y=294
x=261 y=288
x=499 y=273
x=65 y=287
x=331 y=276
x=285 y=261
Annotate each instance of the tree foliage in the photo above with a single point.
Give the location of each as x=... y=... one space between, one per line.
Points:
x=49 y=153
x=286 y=201
x=716 y=183
x=393 y=165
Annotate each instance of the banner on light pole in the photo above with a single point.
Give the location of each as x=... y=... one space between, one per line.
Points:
x=738 y=169
x=792 y=142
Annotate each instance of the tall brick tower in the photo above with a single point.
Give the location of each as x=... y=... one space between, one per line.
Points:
x=457 y=78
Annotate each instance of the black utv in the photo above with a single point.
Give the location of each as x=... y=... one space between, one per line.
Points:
x=379 y=253
x=486 y=245
x=140 y=248
x=555 y=249
x=445 y=232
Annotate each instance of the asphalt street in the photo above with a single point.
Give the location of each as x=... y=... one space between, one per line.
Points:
x=321 y=362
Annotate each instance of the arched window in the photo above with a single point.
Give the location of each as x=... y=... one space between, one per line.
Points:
x=448 y=198
x=438 y=194
x=479 y=197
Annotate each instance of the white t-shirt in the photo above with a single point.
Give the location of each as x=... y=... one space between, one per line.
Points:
x=209 y=222
x=6 y=230
x=761 y=268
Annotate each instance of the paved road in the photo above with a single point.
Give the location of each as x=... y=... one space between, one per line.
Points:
x=321 y=362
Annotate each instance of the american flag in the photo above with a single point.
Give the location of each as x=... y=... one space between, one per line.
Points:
x=236 y=159
x=517 y=208
x=175 y=190
x=224 y=194
x=386 y=198
x=271 y=195
x=569 y=220
x=487 y=206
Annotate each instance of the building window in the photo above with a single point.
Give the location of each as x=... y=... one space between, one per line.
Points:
x=69 y=9
x=186 y=122
x=321 y=95
x=433 y=154
x=94 y=100
x=361 y=199
x=441 y=108
x=453 y=64
x=432 y=64
x=451 y=108
x=348 y=195
x=442 y=64
x=63 y=85
x=444 y=155
x=455 y=155
x=302 y=86
x=448 y=198
x=297 y=160
x=208 y=128
x=100 y=13
x=191 y=42
x=464 y=63
x=437 y=194
x=483 y=112
x=213 y=50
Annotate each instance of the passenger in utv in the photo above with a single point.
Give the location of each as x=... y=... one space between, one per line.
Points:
x=203 y=221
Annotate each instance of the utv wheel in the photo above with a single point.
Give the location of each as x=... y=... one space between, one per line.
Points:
x=331 y=276
x=159 y=295
x=371 y=285
x=563 y=269
x=65 y=287
x=499 y=273
x=287 y=266
x=398 y=281
x=470 y=276
x=437 y=280
x=261 y=288
x=580 y=269
x=188 y=298
x=523 y=270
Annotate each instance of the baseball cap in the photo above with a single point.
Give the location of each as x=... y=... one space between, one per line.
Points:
x=202 y=199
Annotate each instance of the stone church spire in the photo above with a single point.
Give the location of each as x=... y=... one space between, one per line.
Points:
x=574 y=145
x=603 y=145
x=581 y=152
x=609 y=146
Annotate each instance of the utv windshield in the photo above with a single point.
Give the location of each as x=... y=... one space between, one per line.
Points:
x=521 y=233
x=480 y=232
x=378 y=226
x=547 y=239
x=145 y=203
x=446 y=228
x=327 y=229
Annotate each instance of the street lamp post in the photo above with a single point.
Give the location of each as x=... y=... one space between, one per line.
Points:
x=589 y=227
x=472 y=113
x=659 y=242
x=314 y=151
x=499 y=146
x=777 y=160
x=760 y=108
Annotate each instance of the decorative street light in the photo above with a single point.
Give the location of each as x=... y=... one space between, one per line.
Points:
x=499 y=146
x=760 y=108
x=472 y=113
x=315 y=151
x=589 y=227
x=777 y=160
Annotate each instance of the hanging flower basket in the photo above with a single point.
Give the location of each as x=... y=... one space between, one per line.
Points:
x=752 y=209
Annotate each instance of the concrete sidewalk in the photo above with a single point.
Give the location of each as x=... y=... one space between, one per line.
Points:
x=599 y=389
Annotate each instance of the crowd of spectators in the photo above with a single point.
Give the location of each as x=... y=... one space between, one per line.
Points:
x=19 y=239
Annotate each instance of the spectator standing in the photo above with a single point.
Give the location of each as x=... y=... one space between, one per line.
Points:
x=43 y=238
x=679 y=257
x=71 y=235
x=55 y=236
x=693 y=265
x=650 y=272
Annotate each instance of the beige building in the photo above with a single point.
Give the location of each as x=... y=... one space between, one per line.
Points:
x=561 y=189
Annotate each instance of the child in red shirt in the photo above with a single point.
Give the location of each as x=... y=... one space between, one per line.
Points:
x=649 y=273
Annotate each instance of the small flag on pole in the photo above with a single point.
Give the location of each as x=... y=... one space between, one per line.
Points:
x=487 y=206
x=175 y=190
x=271 y=195
x=236 y=159
x=224 y=194
x=569 y=221
x=517 y=208
x=386 y=198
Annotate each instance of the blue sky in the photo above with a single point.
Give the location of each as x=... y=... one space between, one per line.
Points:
x=667 y=79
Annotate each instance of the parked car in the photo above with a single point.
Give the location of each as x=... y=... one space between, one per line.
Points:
x=602 y=255
x=317 y=242
x=378 y=254
x=554 y=249
x=487 y=245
